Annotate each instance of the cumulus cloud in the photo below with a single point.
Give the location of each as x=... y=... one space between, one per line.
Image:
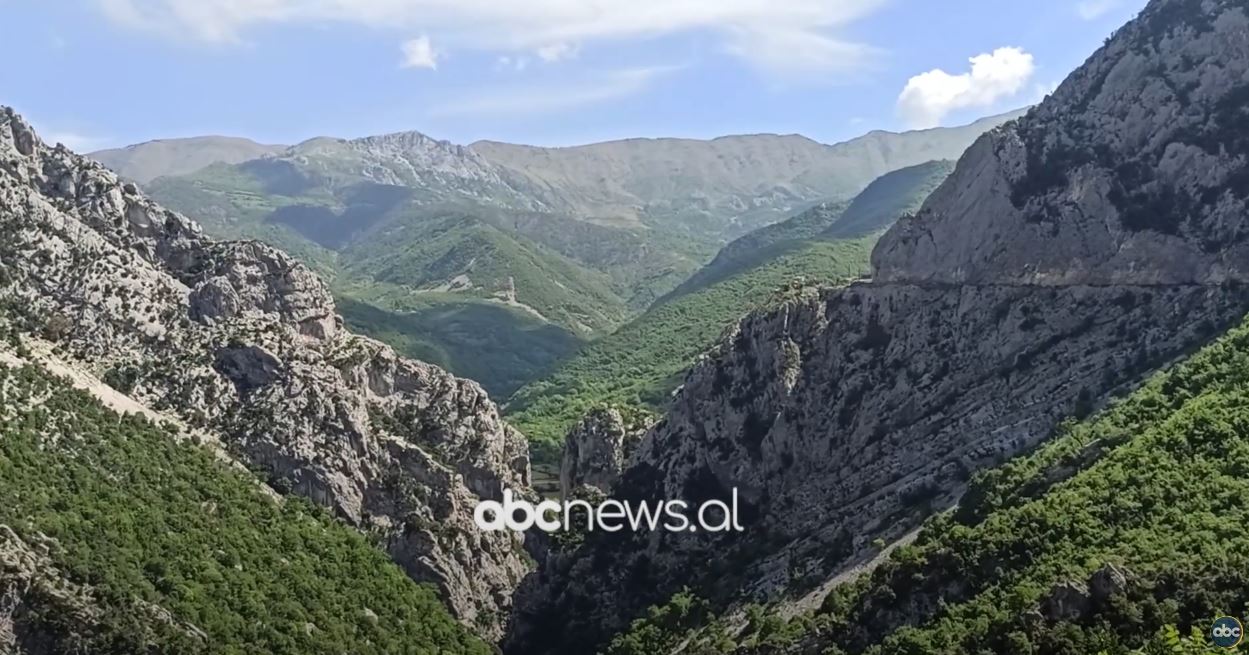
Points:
x=929 y=97
x=782 y=35
x=419 y=53
x=533 y=99
x=1094 y=9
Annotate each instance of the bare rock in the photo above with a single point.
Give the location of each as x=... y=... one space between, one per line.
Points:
x=1067 y=601
x=1109 y=580
x=596 y=449
x=239 y=339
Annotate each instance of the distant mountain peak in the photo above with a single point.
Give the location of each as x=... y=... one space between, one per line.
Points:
x=144 y=162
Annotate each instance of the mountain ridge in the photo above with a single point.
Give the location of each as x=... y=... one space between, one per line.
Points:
x=850 y=416
x=238 y=339
x=144 y=162
x=626 y=242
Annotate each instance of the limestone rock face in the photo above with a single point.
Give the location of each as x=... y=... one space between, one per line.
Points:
x=596 y=449
x=437 y=169
x=240 y=340
x=1070 y=253
x=1131 y=172
x=239 y=277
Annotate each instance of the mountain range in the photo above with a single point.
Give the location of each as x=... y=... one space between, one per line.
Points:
x=544 y=248
x=642 y=362
x=1022 y=429
x=144 y=162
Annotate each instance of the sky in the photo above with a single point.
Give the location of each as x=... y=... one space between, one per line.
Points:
x=106 y=73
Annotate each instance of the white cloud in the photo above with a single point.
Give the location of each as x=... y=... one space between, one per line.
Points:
x=929 y=97
x=797 y=51
x=781 y=35
x=1094 y=9
x=557 y=52
x=506 y=62
x=419 y=53
x=531 y=99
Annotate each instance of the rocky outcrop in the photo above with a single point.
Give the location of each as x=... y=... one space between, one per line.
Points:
x=431 y=169
x=234 y=278
x=1070 y=600
x=1069 y=253
x=237 y=339
x=596 y=449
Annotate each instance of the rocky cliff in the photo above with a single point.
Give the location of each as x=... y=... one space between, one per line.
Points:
x=240 y=341
x=596 y=450
x=1069 y=253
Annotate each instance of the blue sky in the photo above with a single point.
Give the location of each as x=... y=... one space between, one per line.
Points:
x=102 y=73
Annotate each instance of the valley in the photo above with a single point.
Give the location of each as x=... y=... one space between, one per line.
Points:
x=533 y=244
x=643 y=362
x=968 y=390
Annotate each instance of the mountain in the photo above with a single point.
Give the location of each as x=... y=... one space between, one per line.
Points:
x=643 y=362
x=1071 y=252
x=565 y=246
x=723 y=187
x=237 y=350
x=399 y=261
x=874 y=209
x=144 y=162
x=184 y=555
x=1103 y=540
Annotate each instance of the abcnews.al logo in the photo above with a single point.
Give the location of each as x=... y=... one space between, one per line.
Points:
x=1227 y=632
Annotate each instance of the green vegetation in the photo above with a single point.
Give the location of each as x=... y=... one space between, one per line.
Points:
x=642 y=362
x=891 y=195
x=1155 y=485
x=872 y=211
x=400 y=281
x=141 y=518
x=459 y=252
x=489 y=293
x=499 y=346
x=762 y=246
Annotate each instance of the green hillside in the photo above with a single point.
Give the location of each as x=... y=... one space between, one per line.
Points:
x=500 y=347
x=456 y=285
x=643 y=361
x=1154 y=486
x=145 y=522
x=457 y=252
x=873 y=210
x=888 y=197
